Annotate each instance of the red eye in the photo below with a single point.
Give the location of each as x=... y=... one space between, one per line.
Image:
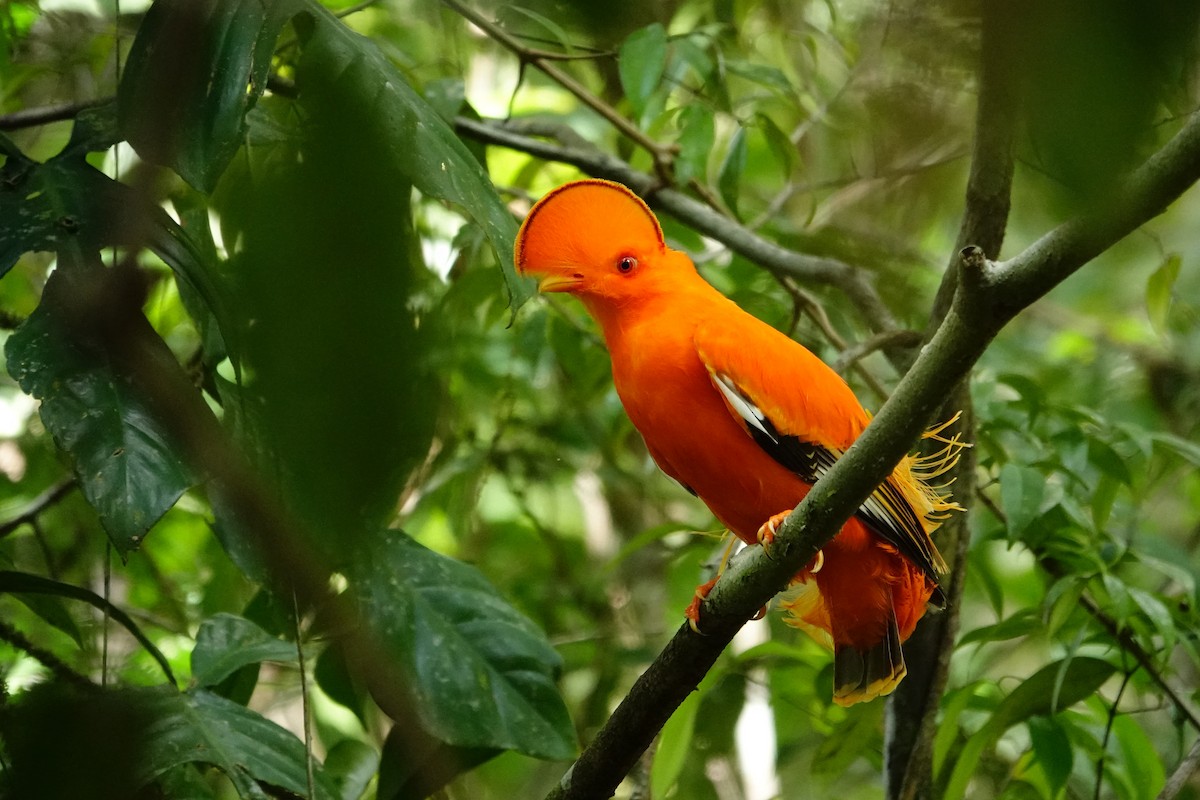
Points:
x=627 y=263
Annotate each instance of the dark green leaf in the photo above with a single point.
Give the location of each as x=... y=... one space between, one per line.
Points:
x=201 y=727
x=761 y=74
x=480 y=674
x=640 y=63
x=128 y=469
x=24 y=583
x=226 y=643
x=414 y=765
x=53 y=612
x=194 y=70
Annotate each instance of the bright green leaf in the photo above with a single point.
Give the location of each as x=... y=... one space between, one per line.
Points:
x=1052 y=749
x=1158 y=291
x=350 y=766
x=1139 y=757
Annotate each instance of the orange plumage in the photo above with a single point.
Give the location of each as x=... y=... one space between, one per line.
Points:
x=747 y=419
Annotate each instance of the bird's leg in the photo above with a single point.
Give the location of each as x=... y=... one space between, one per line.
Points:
x=692 y=612
x=766 y=535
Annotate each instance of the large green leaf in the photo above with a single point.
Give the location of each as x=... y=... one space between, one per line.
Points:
x=127 y=467
x=202 y=727
x=195 y=70
x=225 y=643
x=479 y=674
x=640 y=64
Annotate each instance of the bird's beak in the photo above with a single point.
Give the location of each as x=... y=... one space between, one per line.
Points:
x=559 y=283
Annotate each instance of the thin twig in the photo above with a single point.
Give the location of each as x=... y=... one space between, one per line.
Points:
x=855 y=283
x=304 y=709
x=36 y=506
x=44 y=115
x=50 y=661
x=1182 y=774
x=662 y=155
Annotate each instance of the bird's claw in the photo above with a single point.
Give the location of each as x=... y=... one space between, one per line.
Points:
x=692 y=612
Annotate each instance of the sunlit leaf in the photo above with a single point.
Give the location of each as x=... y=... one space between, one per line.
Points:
x=675 y=741
x=1052 y=748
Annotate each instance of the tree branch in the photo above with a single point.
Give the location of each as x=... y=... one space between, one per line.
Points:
x=854 y=282
x=988 y=296
x=36 y=506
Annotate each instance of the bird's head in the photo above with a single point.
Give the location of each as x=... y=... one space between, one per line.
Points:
x=597 y=240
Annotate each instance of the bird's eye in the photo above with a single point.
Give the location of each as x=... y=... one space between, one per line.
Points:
x=627 y=263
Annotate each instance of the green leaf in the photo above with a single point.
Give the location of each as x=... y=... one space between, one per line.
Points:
x=225 y=643
x=1158 y=291
x=24 y=583
x=696 y=134
x=1052 y=749
x=552 y=27
x=414 y=765
x=201 y=727
x=1023 y=623
x=127 y=467
x=729 y=177
x=1051 y=689
x=52 y=612
x=762 y=74
x=1139 y=757
x=480 y=674
x=350 y=765
x=641 y=61
x=1110 y=462
x=194 y=70
x=675 y=740
x=849 y=740
x=1022 y=490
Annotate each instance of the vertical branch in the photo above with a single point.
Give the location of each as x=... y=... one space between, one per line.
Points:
x=912 y=710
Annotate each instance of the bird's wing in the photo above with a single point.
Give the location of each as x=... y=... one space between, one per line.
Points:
x=804 y=416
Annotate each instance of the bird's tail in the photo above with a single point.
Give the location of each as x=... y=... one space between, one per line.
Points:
x=860 y=675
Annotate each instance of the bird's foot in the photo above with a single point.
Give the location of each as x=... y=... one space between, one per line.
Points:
x=692 y=612
x=766 y=536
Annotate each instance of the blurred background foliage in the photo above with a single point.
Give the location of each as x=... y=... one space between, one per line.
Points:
x=343 y=302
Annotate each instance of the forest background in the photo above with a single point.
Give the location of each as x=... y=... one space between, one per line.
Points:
x=303 y=498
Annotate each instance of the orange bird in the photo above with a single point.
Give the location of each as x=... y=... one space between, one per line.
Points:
x=746 y=419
